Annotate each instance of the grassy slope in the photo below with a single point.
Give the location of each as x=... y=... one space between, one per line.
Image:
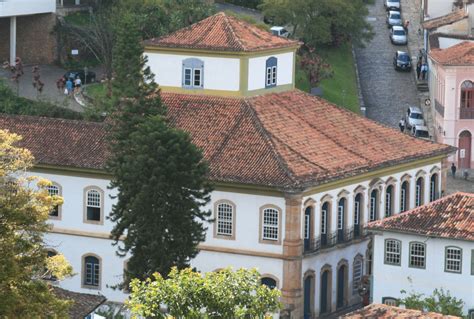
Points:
x=341 y=88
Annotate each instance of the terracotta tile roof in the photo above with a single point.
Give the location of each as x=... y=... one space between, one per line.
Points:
x=60 y=142
x=379 y=311
x=288 y=140
x=459 y=54
x=449 y=18
x=83 y=304
x=222 y=32
x=449 y=217
x=434 y=38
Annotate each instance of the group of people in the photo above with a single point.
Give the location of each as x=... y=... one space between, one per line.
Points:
x=69 y=86
x=421 y=69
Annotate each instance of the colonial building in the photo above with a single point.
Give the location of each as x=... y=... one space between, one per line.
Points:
x=427 y=248
x=452 y=94
x=296 y=178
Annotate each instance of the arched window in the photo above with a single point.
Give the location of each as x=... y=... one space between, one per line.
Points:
x=357 y=272
x=193 y=73
x=91 y=272
x=341 y=211
x=404 y=196
x=357 y=214
x=269 y=282
x=225 y=220
x=389 y=201
x=393 y=249
x=54 y=190
x=325 y=211
x=271 y=72
x=419 y=192
x=270 y=225
x=417 y=257
x=434 y=192
x=374 y=196
x=467 y=94
x=94 y=205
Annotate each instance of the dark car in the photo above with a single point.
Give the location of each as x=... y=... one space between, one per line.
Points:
x=402 y=61
x=90 y=78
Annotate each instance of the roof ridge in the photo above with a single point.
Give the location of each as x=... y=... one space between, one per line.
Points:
x=58 y=119
x=281 y=162
x=231 y=29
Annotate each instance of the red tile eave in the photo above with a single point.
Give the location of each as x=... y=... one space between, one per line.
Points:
x=223 y=49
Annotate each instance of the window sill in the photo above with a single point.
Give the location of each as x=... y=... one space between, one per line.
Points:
x=270 y=241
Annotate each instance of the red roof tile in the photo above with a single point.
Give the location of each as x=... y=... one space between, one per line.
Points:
x=449 y=18
x=221 y=32
x=449 y=217
x=459 y=54
x=60 y=142
x=286 y=140
x=379 y=311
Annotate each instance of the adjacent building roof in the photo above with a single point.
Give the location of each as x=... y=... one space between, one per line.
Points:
x=449 y=217
x=288 y=140
x=459 y=54
x=434 y=38
x=447 y=19
x=222 y=32
x=379 y=311
x=83 y=304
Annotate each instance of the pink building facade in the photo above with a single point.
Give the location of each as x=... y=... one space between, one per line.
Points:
x=452 y=100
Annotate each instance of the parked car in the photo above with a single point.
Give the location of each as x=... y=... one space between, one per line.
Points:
x=73 y=74
x=421 y=131
x=280 y=31
x=398 y=35
x=402 y=61
x=394 y=18
x=392 y=5
x=414 y=117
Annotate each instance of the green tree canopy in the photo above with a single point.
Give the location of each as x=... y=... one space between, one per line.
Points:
x=24 y=207
x=188 y=294
x=322 y=22
x=440 y=301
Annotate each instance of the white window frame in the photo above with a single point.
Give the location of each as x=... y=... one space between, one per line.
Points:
x=54 y=190
x=194 y=66
x=324 y=216
x=357 y=275
x=373 y=208
x=417 y=255
x=340 y=217
x=403 y=199
x=455 y=261
x=393 y=251
x=270 y=228
x=225 y=219
x=356 y=212
x=307 y=219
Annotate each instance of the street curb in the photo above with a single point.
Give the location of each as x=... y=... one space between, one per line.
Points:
x=359 y=89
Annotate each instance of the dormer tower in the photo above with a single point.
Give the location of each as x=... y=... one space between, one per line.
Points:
x=222 y=56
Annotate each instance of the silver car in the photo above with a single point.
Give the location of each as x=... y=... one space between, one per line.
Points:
x=414 y=117
x=398 y=35
x=394 y=18
x=392 y=4
x=421 y=131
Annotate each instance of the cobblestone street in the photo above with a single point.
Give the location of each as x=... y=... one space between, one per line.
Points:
x=386 y=92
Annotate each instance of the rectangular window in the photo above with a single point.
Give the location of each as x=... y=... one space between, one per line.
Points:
x=417 y=255
x=92 y=274
x=392 y=252
x=418 y=195
x=388 y=205
x=270 y=224
x=356 y=213
x=197 y=77
x=453 y=259
x=274 y=75
x=373 y=207
x=403 y=200
x=93 y=205
x=224 y=219
x=357 y=276
x=340 y=217
x=187 y=76
x=269 y=76
x=53 y=191
x=323 y=221
x=306 y=226
x=432 y=191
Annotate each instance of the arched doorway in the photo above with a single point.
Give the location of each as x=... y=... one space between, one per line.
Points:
x=341 y=286
x=308 y=296
x=464 y=152
x=325 y=291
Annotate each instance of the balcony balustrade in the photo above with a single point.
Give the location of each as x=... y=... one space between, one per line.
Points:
x=466 y=113
x=326 y=241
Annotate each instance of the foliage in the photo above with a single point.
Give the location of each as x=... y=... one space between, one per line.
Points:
x=440 y=302
x=188 y=294
x=10 y=103
x=322 y=22
x=249 y=19
x=314 y=65
x=24 y=207
x=252 y=4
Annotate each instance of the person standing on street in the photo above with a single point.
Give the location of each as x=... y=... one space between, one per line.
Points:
x=424 y=70
x=453 y=170
x=401 y=125
x=78 y=84
x=69 y=86
x=418 y=69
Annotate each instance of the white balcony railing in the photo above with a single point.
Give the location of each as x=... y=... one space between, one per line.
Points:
x=9 y=8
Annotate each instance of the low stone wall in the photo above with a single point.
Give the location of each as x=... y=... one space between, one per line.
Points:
x=36 y=41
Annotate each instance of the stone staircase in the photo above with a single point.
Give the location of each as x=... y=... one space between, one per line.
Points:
x=422 y=85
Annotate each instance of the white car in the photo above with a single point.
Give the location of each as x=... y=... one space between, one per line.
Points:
x=392 y=4
x=280 y=31
x=414 y=117
x=421 y=131
x=398 y=35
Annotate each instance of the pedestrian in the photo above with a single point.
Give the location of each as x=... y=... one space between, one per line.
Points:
x=77 y=84
x=69 y=86
x=401 y=125
x=418 y=69
x=453 y=170
x=60 y=84
x=424 y=70
x=405 y=25
x=465 y=174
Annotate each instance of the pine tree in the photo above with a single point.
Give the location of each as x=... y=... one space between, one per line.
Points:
x=158 y=173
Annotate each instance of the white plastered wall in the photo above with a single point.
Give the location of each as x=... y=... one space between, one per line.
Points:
x=256 y=74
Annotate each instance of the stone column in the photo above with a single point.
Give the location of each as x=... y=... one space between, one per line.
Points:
x=12 y=40
x=443 y=175
x=293 y=255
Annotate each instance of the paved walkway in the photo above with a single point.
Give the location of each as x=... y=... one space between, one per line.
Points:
x=387 y=93
x=49 y=75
